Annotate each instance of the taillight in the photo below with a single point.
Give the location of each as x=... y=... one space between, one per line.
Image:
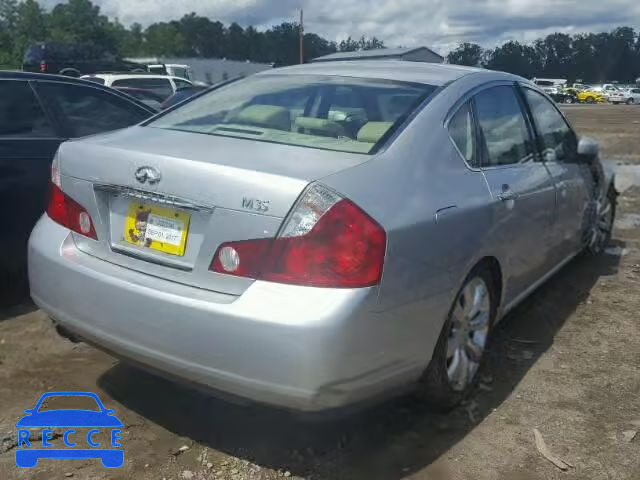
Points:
x=43 y=67
x=327 y=241
x=64 y=210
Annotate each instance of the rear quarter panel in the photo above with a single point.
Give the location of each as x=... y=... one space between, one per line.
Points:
x=427 y=258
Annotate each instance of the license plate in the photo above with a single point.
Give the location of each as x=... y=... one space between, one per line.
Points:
x=158 y=228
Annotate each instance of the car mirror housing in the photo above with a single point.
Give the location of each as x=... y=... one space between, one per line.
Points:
x=588 y=148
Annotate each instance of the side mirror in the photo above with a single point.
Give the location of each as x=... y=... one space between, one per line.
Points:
x=588 y=148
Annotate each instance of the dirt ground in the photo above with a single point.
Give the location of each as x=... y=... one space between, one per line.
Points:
x=566 y=362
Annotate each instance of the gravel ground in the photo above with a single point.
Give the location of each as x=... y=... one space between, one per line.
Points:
x=565 y=362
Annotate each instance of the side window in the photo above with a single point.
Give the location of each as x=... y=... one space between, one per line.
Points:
x=181 y=83
x=20 y=112
x=462 y=132
x=89 y=110
x=503 y=127
x=558 y=141
x=160 y=86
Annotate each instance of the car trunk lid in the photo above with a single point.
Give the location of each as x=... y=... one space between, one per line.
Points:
x=197 y=190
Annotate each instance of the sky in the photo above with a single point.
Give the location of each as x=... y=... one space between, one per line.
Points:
x=438 y=24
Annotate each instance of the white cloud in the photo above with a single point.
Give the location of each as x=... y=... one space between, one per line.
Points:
x=437 y=23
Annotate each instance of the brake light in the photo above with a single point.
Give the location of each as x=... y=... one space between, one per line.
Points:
x=328 y=241
x=67 y=212
x=43 y=67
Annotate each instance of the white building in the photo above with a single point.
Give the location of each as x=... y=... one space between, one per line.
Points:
x=415 y=54
x=210 y=70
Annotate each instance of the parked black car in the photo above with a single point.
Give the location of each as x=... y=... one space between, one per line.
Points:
x=565 y=96
x=74 y=60
x=37 y=113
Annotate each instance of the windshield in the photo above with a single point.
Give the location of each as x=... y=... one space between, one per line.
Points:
x=334 y=113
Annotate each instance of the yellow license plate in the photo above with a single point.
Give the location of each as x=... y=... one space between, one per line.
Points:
x=159 y=228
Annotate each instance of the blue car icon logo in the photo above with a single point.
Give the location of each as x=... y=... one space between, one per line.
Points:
x=29 y=452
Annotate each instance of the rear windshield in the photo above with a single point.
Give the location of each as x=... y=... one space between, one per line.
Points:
x=95 y=80
x=334 y=113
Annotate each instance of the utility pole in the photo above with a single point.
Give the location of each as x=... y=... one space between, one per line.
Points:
x=301 y=37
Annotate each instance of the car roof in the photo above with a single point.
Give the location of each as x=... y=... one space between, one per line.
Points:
x=47 y=77
x=400 y=70
x=19 y=75
x=120 y=76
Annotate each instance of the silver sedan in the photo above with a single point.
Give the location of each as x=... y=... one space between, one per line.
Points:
x=315 y=236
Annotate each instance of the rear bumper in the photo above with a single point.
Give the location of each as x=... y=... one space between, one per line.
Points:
x=307 y=349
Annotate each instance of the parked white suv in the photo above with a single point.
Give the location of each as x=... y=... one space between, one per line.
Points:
x=171 y=69
x=162 y=85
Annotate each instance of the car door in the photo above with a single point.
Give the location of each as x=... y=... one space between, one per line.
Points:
x=522 y=190
x=85 y=110
x=28 y=142
x=558 y=145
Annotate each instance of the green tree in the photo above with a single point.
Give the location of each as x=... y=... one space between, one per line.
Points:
x=166 y=38
x=469 y=54
x=30 y=27
x=8 y=15
x=316 y=46
x=80 y=21
x=237 y=47
x=203 y=37
x=515 y=57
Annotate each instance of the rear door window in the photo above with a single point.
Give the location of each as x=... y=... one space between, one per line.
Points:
x=87 y=110
x=504 y=129
x=21 y=115
x=462 y=132
x=161 y=86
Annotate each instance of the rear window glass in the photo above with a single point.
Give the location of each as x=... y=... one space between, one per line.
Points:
x=95 y=80
x=160 y=86
x=334 y=113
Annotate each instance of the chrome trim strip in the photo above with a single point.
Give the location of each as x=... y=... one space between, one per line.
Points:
x=155 y=197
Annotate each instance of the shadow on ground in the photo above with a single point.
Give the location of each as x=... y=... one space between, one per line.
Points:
x=14 y=295
x=390 y=441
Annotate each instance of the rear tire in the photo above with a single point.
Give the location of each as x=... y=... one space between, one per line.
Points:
x=631 y=101
x=590 y=100
x=445 y=383
x=568 y=100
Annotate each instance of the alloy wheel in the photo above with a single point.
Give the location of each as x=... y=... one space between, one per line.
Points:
x=470 y=322
x=603 y=225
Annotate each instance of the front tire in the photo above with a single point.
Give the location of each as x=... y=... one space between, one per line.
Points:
x=591 y=100
x=461 y=347
x=602 y=225
x=630 y=101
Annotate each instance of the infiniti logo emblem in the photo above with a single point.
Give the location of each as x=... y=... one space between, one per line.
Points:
x=148 y=175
